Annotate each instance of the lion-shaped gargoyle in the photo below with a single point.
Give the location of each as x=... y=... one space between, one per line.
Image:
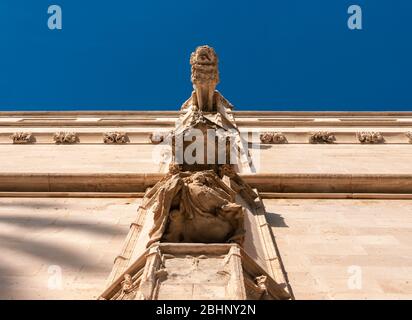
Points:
x=205 y=77
x=196 y=208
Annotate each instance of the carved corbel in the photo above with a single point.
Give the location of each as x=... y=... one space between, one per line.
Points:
x=22 y=137
x=273 y=137
x=322 y=137
x=65 y=138
x=370 y=137
x=115 y=138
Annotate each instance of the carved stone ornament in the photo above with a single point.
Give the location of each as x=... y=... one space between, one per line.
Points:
x=175 y=168
x=409 y=135
x=227 y=170
x=273 y=137
x=22 y=137
x=205 y=77
x=196 y=207
x=115 y=138
x=65 y=138
x=322 y=137
x=261 y=283
x=370 y=137
x=156 y=137
x=201 y=231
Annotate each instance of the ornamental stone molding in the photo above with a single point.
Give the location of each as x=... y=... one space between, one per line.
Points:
x=115 y=138
x=273 y=138
x=370 y=137
x=322 y=137
x=65 y=138
x=22 y=138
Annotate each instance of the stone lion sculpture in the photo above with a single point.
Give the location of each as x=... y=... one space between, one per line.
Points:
x=205 y=77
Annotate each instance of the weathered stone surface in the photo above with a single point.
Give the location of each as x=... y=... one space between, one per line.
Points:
x=194 y=271
x=42 y=239
x=369 y=241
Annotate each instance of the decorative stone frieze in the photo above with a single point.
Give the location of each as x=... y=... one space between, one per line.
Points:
x=322 y=137
x=22 y=137
x=370 y=137
x=273 y=137
x=65 y=137
x=115 y=138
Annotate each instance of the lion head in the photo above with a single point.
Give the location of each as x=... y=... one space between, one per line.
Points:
x=204 y=65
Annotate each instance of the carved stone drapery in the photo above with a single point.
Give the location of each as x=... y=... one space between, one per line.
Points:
x=65 y=138
x=370 y=137
x=322 y=137
x=22 y=137
x=115 y=137
x=196 y=207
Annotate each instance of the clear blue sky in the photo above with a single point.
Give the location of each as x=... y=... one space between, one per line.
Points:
x=274 y=55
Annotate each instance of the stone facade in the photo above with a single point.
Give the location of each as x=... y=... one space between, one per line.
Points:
x=318 y=207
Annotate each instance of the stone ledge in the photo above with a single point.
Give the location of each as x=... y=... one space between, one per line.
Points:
x=275 y=183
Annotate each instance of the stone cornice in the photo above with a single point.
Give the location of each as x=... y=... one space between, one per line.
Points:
x=274 y=183
x=263 y=118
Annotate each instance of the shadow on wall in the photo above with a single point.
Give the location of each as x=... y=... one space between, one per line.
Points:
x=22 y=247
x=36 y=221
x=6 y=282
x=276 y=220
